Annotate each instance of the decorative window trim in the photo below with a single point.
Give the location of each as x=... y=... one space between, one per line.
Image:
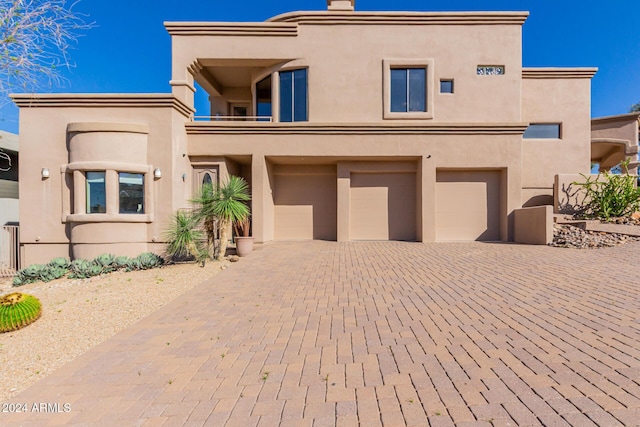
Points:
x=77 y=180
x=428 y=65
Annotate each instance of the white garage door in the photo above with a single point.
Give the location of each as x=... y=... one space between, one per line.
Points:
x=383 y=206
x=467 y=205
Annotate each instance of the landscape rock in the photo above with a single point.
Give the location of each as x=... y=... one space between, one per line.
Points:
x=569 y=236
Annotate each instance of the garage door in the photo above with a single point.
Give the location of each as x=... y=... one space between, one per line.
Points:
x=383 y=206
x=467 y=205
x=305 y=207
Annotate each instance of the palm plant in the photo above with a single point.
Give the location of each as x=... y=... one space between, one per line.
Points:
x=184 y=237
x=227 y=204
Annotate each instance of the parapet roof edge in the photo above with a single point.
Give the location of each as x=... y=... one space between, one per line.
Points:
x=630 y=116
x=30 y=100
x=403 y=18
x=231 y=28
x=558 y=72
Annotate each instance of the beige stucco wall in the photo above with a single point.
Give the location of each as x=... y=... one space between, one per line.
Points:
x=555 y=99
x=49 y=221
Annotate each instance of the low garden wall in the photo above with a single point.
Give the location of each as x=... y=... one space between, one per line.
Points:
x=533 y=226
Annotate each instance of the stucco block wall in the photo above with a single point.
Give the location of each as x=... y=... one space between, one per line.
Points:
x=555 y=100
x=533 y=226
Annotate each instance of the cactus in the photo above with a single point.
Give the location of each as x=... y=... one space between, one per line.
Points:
x=133 y=265
x=17 y=310
x=31 y=274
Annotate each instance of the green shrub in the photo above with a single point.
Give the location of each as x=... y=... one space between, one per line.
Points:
x=121 y=262
x=60 y=262
x=17 y=310
x=610 y=195
x=83 y=269
x=107 y=262
x=150 y=260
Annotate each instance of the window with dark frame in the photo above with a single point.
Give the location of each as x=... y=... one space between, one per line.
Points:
x=96 y=192
x=408 y=90
x=543 y=131
x=131 y=193
x=293 y=96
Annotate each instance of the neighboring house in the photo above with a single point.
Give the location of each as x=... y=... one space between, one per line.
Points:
x=348 y=126
x=615 y=139
x=9 y=248
x=8 y=178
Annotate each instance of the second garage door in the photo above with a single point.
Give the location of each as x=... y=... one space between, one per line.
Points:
x=467 y=205
x=383 y=206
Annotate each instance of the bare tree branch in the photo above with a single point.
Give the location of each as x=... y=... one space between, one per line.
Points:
x=35 y=39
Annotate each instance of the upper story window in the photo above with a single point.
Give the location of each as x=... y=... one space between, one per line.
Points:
x=543 y=131
x=96 y=192
x=446 y=86
x=408 y=90
x=131 y=190
x=293 y=96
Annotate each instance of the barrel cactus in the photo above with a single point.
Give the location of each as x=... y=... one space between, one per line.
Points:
x=18 y=310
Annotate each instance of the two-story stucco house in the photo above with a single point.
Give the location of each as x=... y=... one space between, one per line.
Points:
x=348 y=126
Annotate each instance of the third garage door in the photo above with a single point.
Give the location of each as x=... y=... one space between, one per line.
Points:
x=467 y=205
x=382 y=206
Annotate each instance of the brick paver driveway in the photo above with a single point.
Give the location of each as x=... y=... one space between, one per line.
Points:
x=393 y=334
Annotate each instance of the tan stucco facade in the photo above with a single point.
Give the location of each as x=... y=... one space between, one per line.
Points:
x=355 y=167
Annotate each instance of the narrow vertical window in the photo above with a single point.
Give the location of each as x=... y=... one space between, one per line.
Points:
x=131 y=190
x=96 y=192
x=293 y=96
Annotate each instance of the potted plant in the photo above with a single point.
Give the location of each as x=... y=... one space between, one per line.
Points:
x=244 y=242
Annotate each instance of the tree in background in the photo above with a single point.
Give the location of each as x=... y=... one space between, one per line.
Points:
x=635 y=108
x=35 y=39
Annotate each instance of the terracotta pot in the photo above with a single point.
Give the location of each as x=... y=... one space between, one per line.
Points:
x=244 y=246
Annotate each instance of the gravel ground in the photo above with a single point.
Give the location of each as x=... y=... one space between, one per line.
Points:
x=79 y=314
x=569 y=236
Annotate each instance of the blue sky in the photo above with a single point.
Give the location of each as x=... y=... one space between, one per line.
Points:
x=129 y=50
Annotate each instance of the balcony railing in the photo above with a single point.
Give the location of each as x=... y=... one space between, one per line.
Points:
x=231 y=118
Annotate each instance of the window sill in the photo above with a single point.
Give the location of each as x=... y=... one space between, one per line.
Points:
x=84 y=218
x=388 y=115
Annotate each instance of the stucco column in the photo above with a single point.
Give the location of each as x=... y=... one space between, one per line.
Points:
x=344 y=208
x=113 y=192
x=427 y=204
x=275 y=97
x=79 y=193
x=262 y=200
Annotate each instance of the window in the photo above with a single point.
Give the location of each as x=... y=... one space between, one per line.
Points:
x=446 y=86
x=408 y=86
x=543 y=131
x=131 y=190
x=96 y=192
x=408 y=90
x=293 y=96
x=263 y=99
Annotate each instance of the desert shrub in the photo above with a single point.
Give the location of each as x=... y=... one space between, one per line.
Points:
x=60 y=262
x=121 y=262
x=17 y=310
x=150 y=260
x=610 y=195
x=31 y=274
x=107 y=262
x=83 y=269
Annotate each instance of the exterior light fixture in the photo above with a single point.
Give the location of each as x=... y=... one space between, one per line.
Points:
x=157 y=173
x=45 y=173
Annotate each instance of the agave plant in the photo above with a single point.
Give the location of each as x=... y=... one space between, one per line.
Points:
x=18 y=310
x=228 y=204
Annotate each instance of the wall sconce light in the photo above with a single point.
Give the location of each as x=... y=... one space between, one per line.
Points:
x=157 y=173
x=45 y=173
